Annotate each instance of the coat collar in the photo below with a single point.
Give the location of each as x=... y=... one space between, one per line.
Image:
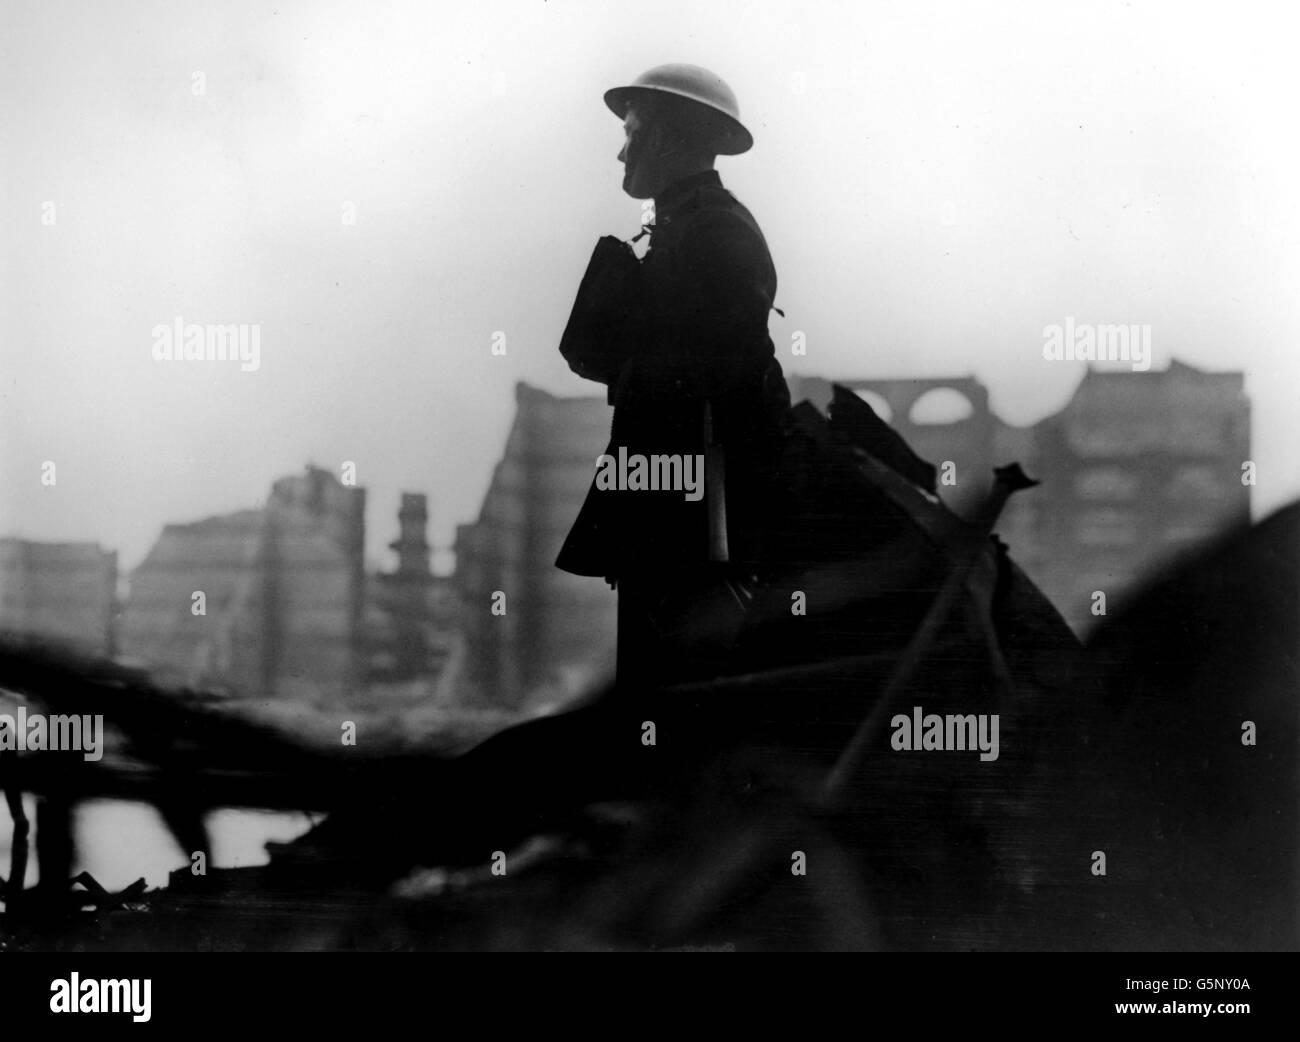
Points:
x=673 y=198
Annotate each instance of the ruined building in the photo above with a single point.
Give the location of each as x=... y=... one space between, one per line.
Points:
x=534 y=632
x=276 y=603
x=264 y=603
x=1136 y=468
x=60 y=591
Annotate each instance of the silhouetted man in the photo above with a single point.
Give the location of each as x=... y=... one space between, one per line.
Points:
x=680 y=339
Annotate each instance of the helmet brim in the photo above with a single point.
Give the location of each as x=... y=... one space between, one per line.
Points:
x=727 y=134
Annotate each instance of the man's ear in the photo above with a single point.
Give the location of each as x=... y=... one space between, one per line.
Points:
x=651 y=135
x=668 y=141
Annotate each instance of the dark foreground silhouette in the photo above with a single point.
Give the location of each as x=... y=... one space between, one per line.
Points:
x=771 y=809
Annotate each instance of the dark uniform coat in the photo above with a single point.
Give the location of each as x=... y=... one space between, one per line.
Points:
x=686 y=325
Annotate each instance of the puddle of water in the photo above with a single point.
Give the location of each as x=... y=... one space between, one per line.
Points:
x=119 y=841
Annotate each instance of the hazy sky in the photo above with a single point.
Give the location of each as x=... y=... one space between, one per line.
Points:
x=937 y=183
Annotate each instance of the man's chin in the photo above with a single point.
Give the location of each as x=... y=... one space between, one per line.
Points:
x=635 y=190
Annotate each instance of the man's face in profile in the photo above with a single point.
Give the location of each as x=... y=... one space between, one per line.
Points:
x=639 y=168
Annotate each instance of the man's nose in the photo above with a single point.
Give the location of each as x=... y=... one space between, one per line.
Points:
x=622 y=153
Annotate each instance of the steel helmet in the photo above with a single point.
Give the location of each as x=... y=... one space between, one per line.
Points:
x=698 y=85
